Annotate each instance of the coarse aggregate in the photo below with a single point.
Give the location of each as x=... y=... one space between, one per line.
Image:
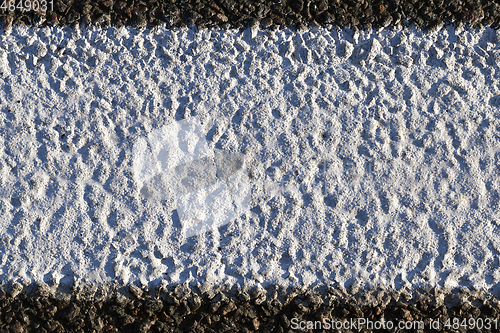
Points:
x=183 y=309
x=274 y=13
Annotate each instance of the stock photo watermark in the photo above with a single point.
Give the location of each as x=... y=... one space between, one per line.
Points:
x=364 y=323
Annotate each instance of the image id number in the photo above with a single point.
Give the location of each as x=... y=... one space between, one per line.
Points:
x=27 y=5
x=471 y=323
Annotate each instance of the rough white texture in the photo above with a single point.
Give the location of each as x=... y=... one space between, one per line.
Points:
x=373 y=156
x=210 y=188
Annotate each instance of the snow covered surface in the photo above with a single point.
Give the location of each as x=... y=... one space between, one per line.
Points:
x=370 y=158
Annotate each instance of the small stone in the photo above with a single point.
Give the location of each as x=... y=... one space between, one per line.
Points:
x=23 y=317
x=140 y=21
x=17 y=305
x=466 y=306
x=406 y=315
x=476 y=313
x=228 y=308
x=244 y=297
x=121 y=299
x=144 y=326
x=72 y=311
x=191 y=326
x=171 y=310
x=328 y=18
x=51 y=311
x=184 y=309
x=387 y=20
x=172 y=301
x=103 y=20
x=279 y=21
x=217 y=302
x=297 y=6
x=194 y=303
x=16 y=290
x=52 y=325
x=255 y=323
x=267 y=22
x=402 y=305
x=181 y=291
x=207 y=320
x=302 y=309
x=97 y=323
x=214 y=6
x=259 y=295
x=214 y=307
x=7 y=23
x=276 y=305
x=17 y=328
x=43 y=290
x=154 y=305
x=323 y=5
x=135 y=291
x=127 y=320
x=87 y=20
x=8 y=317
x=262 y=11
x=285 y=321
x=37 y=304
x=54 y=19
x=221 y=18
x=107 y=3
x=72 y=17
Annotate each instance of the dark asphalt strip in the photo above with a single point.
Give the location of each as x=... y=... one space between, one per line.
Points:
x=185 y=310
x=233 y=13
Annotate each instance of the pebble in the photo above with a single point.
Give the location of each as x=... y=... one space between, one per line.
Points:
x=71 y=312
x=144 y=326
x=16 y=290
x=154 y=305
x=228 y=308
x=258 y=295
x=136 y=291
x=17 y=328
x=194 y=302
x=221 y=18
x=172 y=301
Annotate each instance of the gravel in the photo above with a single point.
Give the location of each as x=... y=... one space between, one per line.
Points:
x=165 y=311
x=232 y=13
